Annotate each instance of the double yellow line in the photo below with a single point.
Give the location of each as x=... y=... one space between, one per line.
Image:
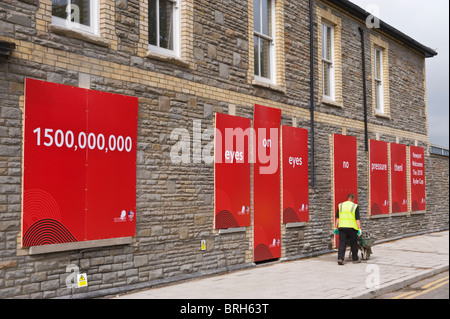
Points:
x=425 y=289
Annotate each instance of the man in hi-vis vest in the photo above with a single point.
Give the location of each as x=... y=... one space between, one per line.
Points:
x=348 y=225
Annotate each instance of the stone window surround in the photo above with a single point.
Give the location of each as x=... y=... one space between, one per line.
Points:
x=270 y=38
x=280 y=78
x=325 y=16
x=175 y=32
x=186 y=36
x=325 y=26
x=107 y=36
x=377 y=43
x=94 y=15
x=106 y=26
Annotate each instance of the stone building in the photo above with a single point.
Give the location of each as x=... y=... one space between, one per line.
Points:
x=185 y=60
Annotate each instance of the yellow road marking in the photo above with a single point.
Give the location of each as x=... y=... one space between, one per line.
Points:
x=428 y=290
x=405 y=294
x=434 y=282
x=428 y=287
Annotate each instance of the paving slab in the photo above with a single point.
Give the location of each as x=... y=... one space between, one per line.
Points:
x=392 y=266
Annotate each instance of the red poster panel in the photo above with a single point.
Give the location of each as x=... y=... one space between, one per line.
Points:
x=232 y=171
x=111 y=169
x=266 y=184
x=399 y=191
x=294 y=154
x=417 y=157
x=54 y=178
x=79 y=174
x=379 y=177
x=345 y=166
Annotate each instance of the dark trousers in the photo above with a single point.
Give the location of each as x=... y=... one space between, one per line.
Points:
x=344 y=235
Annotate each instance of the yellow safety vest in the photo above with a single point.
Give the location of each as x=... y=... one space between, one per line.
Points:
x=347 y=215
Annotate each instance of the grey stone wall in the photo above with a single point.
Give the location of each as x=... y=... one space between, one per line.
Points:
x=437 y=189
x=175 y=202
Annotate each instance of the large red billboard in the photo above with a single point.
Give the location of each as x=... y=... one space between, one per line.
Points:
x=79 y=166
x=294 y=161
x=379 y=177
x=232 y=171
x=399 y=192
x=345 y=170
x=417 y=158
x=266 y=184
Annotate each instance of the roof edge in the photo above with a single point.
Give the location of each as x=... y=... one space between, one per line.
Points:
x=362 y=14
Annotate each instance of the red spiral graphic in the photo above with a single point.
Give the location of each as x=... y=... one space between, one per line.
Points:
x=289 y=216
x=262 y=252
x=396 y=208
x=415 y=206
x=375 y=209
x=39 y=204
x=42 y=220
x=46 y=232
x=225 y=219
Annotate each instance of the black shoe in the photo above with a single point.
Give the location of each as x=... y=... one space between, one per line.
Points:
x=340 y=262
x=357 y=261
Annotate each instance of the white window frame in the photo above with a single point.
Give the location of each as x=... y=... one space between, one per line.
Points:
x=176 y=18
x=325 y=62
x=94 y=18
x=272 y=67
x=379 y=85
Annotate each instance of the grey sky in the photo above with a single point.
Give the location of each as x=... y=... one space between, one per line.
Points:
x=428 y=23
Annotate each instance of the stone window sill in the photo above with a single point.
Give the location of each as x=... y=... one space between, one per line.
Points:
x=232 y=230
x=295 y=225
x=79 y=35
x=45 y=249
x=379 y=216
x=269 y=86
x=383 y=115
x=167 y=58
x=332 y=103
x=400 y=214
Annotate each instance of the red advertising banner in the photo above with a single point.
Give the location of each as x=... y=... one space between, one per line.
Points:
x=266 y=184
x=379 y=177
x=345 y=165
x=345 y=168
x=232 y=171
x=417 y=157
x=399 y=193
x=294 y=154
x=79 y=166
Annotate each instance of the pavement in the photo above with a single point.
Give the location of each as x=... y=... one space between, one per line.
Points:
x=392 y=266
